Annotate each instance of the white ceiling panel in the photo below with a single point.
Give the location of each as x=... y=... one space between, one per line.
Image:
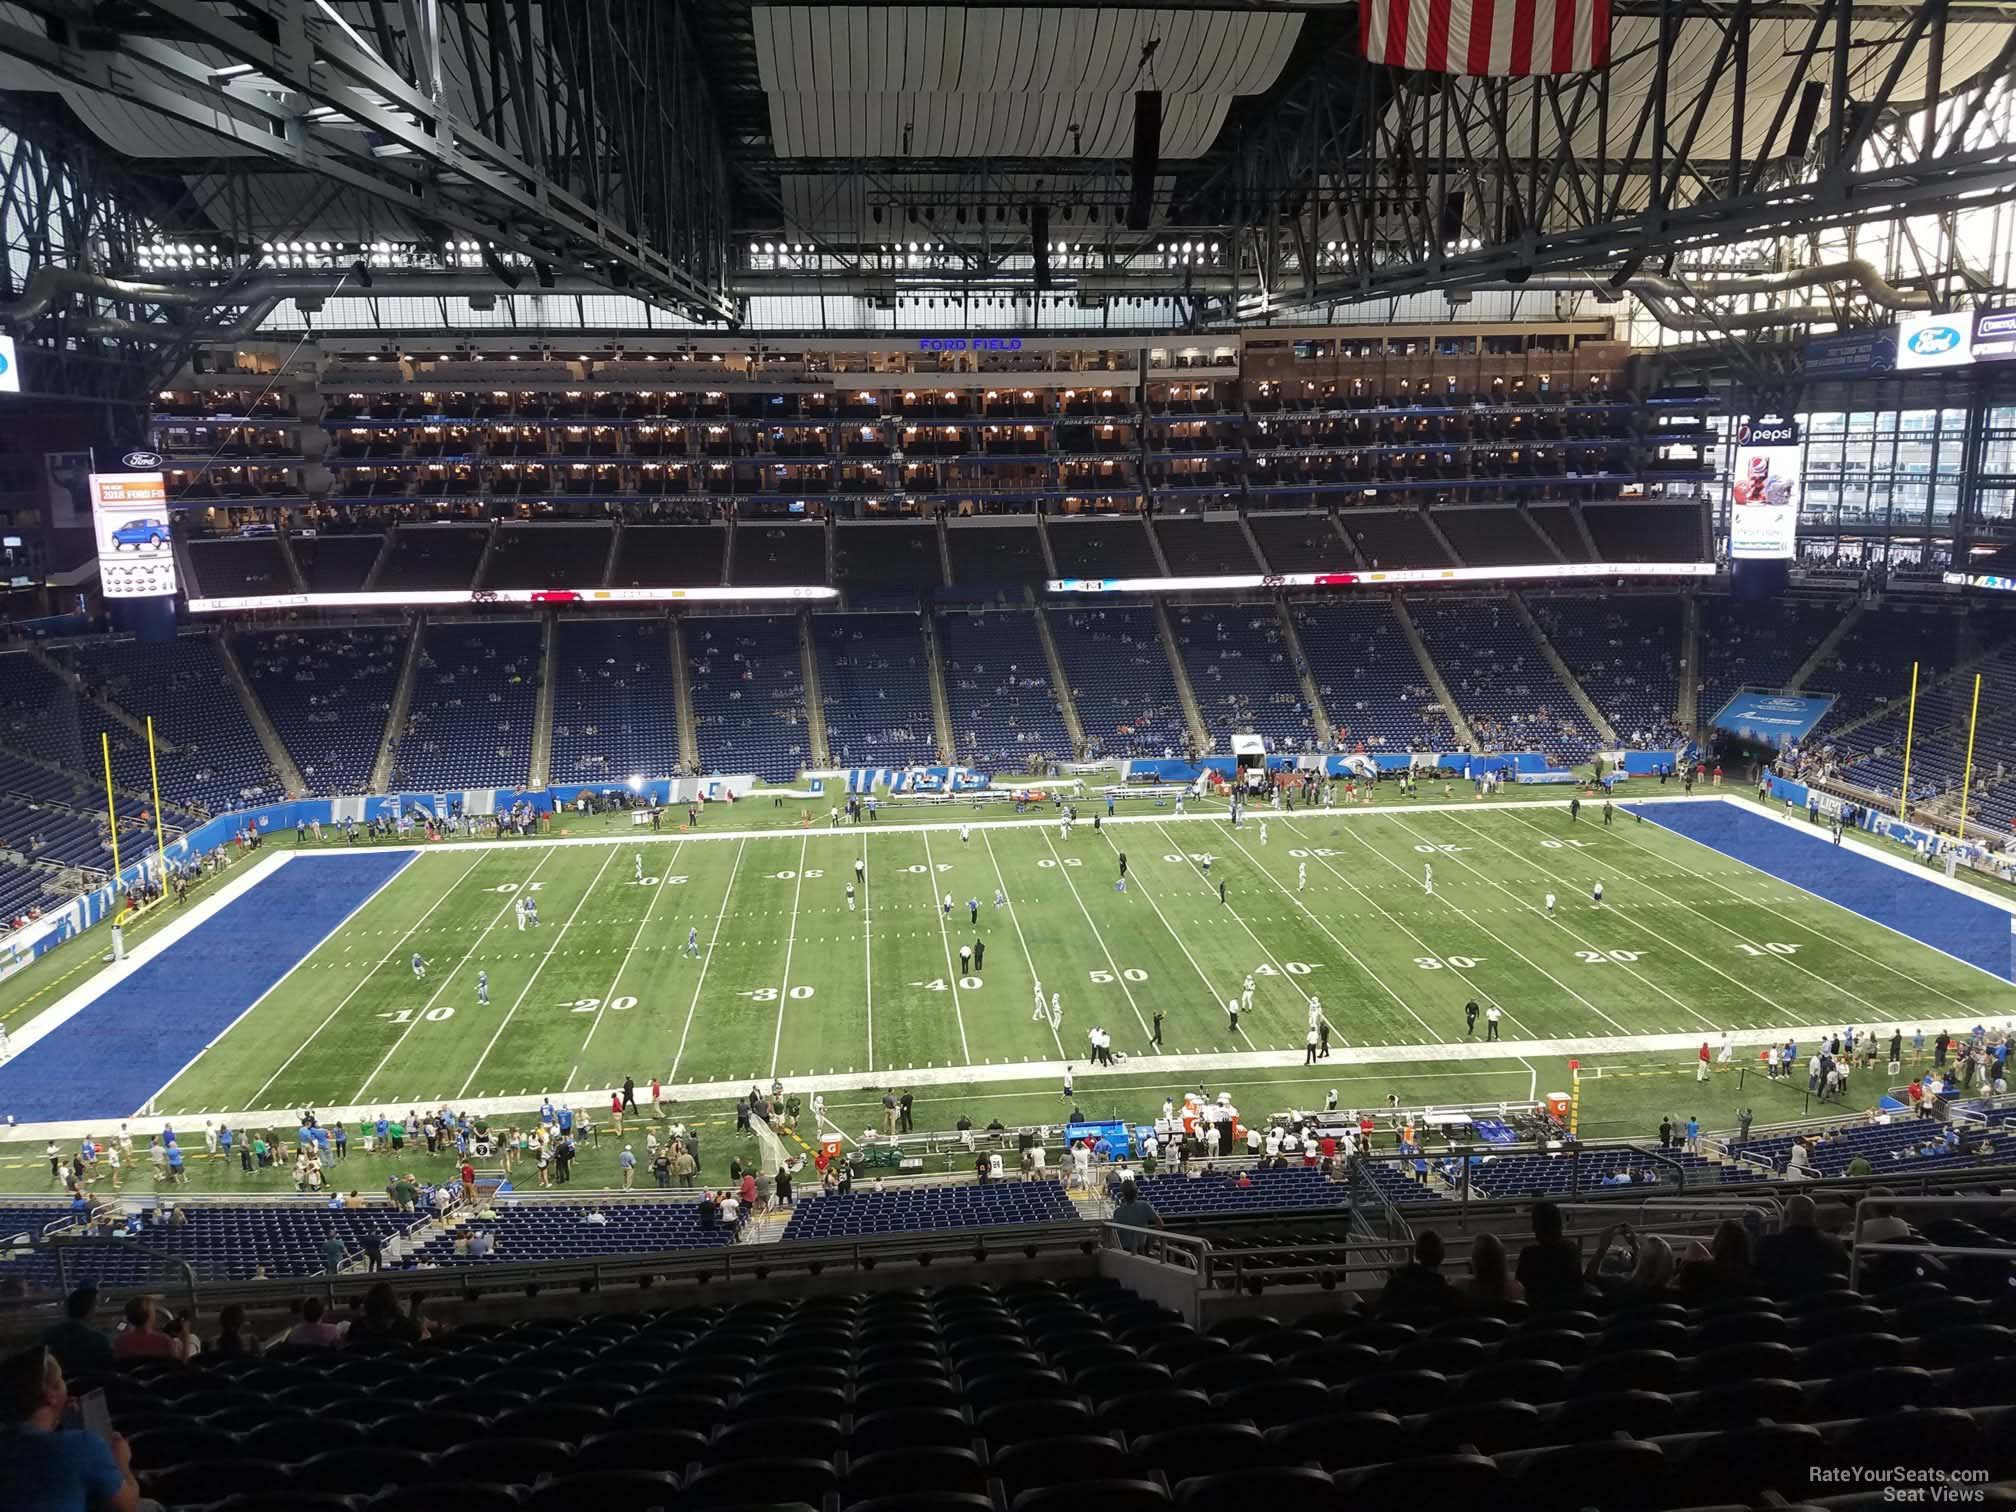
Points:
x=947 y=81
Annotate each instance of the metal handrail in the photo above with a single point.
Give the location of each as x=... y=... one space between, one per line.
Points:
x=1857 y=1246
x=1188 y=1252
x=61 y=1244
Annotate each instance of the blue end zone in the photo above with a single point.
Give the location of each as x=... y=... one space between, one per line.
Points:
x=1976 y=932
x=124 y=1047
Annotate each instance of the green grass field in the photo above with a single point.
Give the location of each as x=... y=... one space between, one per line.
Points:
x=788 y=982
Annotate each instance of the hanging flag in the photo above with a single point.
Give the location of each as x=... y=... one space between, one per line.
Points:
x=1500 y=38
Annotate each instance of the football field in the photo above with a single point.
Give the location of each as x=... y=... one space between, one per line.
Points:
x=782 y=978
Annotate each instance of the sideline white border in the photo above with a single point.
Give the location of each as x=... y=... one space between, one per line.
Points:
x=1182 y=1068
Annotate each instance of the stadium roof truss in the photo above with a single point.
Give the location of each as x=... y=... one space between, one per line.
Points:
x=577 y=135
x=663 y=147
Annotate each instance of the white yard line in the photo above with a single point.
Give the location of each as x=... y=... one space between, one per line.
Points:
x=1490 y=934
x=867 y=950
x=1179 y=1070
x=1273 y=962
x=1866 y=850
x=306 y=956
x=539 y=966
x=1560 y=881
x=1034 y=976
x=734 y=871
x=623 y=965
x=365 y=980
x=1353 y=956
x=448 y=976
x=785 y=832
x=1832 y=987
x=790 y=944
x=1210 y=987
x=945 y=932
x=1119 y=976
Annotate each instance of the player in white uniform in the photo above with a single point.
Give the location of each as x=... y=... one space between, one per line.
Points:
x=518 y=909
x=850 y=897
x=946 y=906
x=1301 y=875
x=965 y=833
x=1315 y=1012
x=1550 y=905
x=1042 y=1013
x=1428 y=878
x=1246 y=994
x=637 y=866
x=1056 y=1010
x=5 y=1049
x=1263 y=831
x=483 y=988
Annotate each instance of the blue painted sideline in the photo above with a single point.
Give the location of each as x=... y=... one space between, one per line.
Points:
x=1976 y=932
x=124 y=1047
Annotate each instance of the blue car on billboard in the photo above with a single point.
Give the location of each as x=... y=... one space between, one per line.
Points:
x=141 y=533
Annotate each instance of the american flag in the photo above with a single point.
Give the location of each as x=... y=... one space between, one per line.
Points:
x=1502 y=38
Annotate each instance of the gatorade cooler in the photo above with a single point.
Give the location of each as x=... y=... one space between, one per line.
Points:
x=1557 y=1106
x=830 y=1147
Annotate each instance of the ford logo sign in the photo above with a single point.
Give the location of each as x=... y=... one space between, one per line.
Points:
x=142 y=461
x=1934 y=341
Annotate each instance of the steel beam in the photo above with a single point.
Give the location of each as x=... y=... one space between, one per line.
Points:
x=368 y=111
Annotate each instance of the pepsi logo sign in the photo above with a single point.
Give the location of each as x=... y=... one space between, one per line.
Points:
x=142 y=461
x=1769 y=432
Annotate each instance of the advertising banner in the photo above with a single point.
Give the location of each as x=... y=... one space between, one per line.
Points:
x=1994 y=335
x=1850 y=354
x=129 y=511
x=1935 y=341
x=1764 y=492
x=1778 y=719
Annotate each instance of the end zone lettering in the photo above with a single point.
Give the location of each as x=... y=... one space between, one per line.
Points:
x=969 y=343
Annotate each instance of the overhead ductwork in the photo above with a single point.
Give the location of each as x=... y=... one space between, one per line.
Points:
x=1660 y=294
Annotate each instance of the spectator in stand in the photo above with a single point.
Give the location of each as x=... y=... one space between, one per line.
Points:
x=1724 y=1269
x=234 y=1340
x=1799 y=1259
x=78 y=1346
x=1650 y=1277
x=46 y=1467
x=313 y=1331
x=383 y=1325
x=1420 y=1284
x=144 y=1338
x=1134 y=1212
x=1491 y=1271
x=1550 y=1268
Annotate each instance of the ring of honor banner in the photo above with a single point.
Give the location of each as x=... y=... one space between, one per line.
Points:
x=129 y=512
x=1764 y=492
